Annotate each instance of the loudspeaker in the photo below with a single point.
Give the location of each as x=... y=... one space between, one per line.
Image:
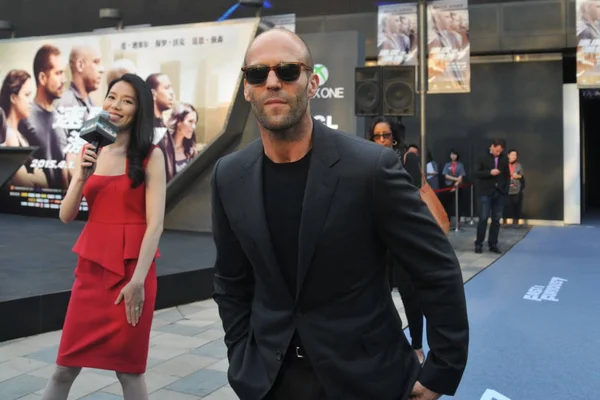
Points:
x=384 y=90
x=367 y=91
x=398 y=90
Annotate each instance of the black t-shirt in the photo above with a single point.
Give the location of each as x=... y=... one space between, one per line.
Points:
x=283 y=190
x=39 y=131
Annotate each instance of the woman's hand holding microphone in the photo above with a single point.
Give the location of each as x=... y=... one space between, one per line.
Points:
x=87 y=162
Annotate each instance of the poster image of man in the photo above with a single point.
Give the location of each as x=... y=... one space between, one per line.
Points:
x=397 y=38
x=164 y=98
x=588 y=26
x=588 y=44
x=448 y=44
x=40 y=127
x=52 y=85
x=119 y=68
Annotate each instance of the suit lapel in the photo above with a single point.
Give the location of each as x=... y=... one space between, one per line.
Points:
x=251 y=195
x=320 y=187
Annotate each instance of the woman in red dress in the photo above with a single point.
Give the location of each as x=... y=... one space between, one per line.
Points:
x=112 y=301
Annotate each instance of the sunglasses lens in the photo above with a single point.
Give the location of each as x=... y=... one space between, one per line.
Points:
x=288 y=72
x=257 y=74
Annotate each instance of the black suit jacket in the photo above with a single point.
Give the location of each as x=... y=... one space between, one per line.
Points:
x=358 y=202
x=487 y=183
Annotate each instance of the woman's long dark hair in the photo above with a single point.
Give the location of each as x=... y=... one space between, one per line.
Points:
x=142 y=128
x=398 y=131
x=2 y=126
x=178 y=115
x=13 y=82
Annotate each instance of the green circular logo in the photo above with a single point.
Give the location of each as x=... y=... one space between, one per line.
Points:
x=322 y=72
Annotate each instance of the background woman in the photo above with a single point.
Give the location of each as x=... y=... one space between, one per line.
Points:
x=514 y=202
x=15 y=99
x=432 y=171
x=112 y=302
x=388 y=132
x=182 y=125
x=454 y=174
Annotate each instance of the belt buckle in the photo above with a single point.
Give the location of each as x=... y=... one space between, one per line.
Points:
x=298 y=354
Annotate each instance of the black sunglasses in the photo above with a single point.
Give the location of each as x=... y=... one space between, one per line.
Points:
x=286 y=72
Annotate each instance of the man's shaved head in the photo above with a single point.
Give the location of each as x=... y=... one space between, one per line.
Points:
x=280 y=106
x=282 y=36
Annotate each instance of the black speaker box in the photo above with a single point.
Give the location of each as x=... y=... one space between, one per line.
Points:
x=385 y=90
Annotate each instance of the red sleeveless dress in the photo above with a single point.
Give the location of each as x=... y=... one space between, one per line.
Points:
x=96 y=333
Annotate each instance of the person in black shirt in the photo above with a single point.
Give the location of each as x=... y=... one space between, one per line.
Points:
x=40 y=127
x=390 y=133
x=493 y=177
x=302 y=220
x=164 y=98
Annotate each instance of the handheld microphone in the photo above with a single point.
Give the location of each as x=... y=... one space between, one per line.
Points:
x=99 y=131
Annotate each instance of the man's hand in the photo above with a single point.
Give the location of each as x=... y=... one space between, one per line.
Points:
x=420 y=392
x=495 y=172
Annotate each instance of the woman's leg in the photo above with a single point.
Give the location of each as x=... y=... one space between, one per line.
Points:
x=518 y=208
x=134 y=386
x=60 y=383
x=509 y=208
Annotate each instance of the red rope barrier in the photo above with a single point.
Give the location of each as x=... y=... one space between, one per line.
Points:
x=452 y=188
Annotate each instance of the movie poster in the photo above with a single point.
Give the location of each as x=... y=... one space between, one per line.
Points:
x=49 y=86
x=284 y=21
x=397 y=35
x=588 y=43
x=448 y=58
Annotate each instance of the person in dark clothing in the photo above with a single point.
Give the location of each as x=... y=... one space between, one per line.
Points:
x=302 y=218
x=493 y=178
x=515 y=190
x=390 y=133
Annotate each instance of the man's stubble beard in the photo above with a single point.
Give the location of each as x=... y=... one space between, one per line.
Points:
x=283 y=128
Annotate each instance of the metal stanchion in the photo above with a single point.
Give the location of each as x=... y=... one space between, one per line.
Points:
x=471 y=219
x=456 y=215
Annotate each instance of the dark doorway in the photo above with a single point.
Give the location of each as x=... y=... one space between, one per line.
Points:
x=590 y=143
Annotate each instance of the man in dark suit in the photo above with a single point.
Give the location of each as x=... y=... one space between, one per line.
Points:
x=302 y=219
x=493 y=178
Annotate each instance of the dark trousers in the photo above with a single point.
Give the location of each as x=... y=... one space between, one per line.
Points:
x=513 y=207
x=296 y=380
x=494 y=205
x=414 y=313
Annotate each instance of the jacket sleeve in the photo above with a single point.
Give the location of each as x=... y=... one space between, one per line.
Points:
x=413 y=168
x=234 y=278
x=482 y=171
x=410 y=232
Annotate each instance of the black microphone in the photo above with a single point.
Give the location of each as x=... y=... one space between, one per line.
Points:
x=99 y=131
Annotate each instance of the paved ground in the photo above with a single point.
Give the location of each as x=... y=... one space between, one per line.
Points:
x=187 y=359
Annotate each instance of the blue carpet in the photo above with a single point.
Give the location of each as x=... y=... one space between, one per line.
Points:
x=546 y=347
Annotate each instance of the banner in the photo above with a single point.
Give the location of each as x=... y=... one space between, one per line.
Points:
x=49 y=86
x=588 y=43
x=397 y=34
x=285 y=21
x=448 y=58
x=333 y=103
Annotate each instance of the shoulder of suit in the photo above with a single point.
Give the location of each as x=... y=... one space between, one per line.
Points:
x=348 y=144
x=239 y=158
